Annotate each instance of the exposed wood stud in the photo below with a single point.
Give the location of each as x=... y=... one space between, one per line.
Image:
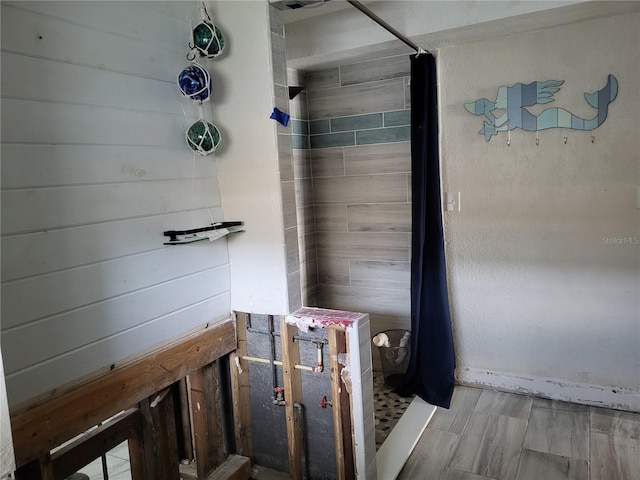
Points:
x=214 y=418
x=149 y=440
x=137 y=456
x=170 y=460
x=240 y=388
x=186 y=444
x=159 y=436
x=205 y=414
x=341 y=407
x=46 y=467
x=200 y=431
x=293 y=398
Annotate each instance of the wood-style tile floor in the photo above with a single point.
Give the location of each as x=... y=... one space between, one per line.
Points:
x=501 y=436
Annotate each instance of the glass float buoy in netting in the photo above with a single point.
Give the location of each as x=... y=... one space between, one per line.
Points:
x=208 y=39
x=203 y=137
x=195 y=83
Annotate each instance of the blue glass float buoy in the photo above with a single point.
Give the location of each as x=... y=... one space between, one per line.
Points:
x=195 y=83
x=208 y=39
x=203 y=137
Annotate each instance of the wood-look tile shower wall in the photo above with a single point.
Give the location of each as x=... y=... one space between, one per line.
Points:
x=360 y=177
x=285 y=163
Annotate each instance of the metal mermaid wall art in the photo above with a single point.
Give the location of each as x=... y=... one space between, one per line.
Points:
x=514 y=99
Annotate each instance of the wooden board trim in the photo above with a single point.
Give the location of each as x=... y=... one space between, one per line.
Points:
x=39 y=428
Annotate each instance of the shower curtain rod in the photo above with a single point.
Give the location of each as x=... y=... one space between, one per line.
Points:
x=386 y=26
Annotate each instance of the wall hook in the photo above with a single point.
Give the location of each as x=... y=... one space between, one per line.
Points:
x=593 y=138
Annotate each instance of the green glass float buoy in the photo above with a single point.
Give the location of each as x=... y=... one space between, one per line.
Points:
x=208 y=39
x=203 y=137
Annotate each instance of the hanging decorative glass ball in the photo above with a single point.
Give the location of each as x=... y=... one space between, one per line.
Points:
x=195 y=83
x=208 y=39
x=203 y=137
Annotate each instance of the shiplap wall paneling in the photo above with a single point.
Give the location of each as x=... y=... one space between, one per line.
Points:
x=94 y=169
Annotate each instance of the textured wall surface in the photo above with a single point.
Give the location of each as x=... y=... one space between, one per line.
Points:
x=544 y=287
x=543 y=297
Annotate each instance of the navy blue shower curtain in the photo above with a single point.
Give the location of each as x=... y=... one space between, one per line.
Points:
x=430 y=374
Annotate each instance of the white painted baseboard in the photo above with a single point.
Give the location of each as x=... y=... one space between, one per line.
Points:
x=553 y=388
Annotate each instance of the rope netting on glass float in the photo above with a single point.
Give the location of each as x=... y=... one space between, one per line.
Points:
x=202 y=137
x=196 y=84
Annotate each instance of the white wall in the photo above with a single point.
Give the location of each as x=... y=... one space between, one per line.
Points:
x=540 y=301
x=94 y=169
x=248 y=164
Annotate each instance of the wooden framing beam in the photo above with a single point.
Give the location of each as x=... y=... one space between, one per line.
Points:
x=186 y=442
x=200 y=431
x=241 y=390
x=341 y=404
x=235 y=467
x=214 y=415
x=293 y=398
x=137 y=457
x=206 y=422
x=159 y=436
x=40 y=427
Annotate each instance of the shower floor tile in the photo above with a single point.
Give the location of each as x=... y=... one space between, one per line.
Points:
x=388 y=407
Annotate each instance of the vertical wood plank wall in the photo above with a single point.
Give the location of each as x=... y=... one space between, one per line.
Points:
x=94 y=168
